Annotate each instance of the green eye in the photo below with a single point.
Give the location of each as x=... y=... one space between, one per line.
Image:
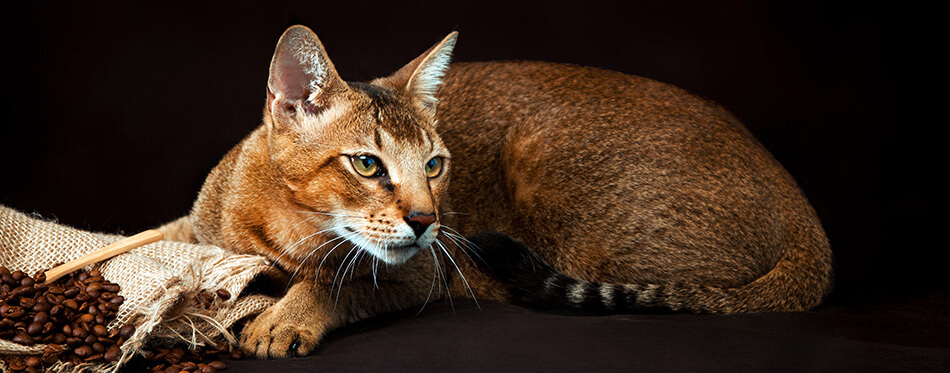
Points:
x=434 y=167
x=367 y=165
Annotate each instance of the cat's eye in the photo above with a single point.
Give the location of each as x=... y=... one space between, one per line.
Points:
x=434 y=167
x=367 y=165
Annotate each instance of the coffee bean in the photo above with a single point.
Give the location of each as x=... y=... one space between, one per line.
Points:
x=40 y=317
x=71 y=292
x=223 y=294
x=71 y=304
x=219 y=365
x=83 y=351
x=126 y=331
x=27 y=281
x=35 y=328
x=86 y=318
x=27 y=303
x=16 y=364
x=113 y=354
x=23 y=339
x=100 y=330
x=96 y=286
x=33 y=361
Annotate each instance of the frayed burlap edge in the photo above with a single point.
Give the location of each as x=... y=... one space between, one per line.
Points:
x=159 y=281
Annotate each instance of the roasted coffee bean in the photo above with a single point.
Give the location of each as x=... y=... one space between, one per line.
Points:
x=73 y=341
x=71 y=292
x=71 y=304
x=100 y=330
x=83 y=351
x=95 y=286
x=223 y=294
x=109 y=287
x=18 y=275
x=35 y=328
x=113 y=353
x=86 y=318
x=27 y=281
x=23 y=339
x=42 y=306
x=90 y=339
x=40 y=317
x=27 y=303
x=78 y=332
x=16 y=364
x=33 y=361
x=126 y=331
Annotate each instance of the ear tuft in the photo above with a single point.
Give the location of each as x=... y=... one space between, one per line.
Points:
x=427 y=77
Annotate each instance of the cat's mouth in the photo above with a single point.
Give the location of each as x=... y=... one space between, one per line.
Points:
x=396 y=254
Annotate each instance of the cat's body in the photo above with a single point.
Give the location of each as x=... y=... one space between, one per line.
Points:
x=662 y=198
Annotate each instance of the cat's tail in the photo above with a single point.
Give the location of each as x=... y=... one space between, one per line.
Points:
x=533 y=283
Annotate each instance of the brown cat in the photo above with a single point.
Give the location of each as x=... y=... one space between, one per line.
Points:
x=653 y=196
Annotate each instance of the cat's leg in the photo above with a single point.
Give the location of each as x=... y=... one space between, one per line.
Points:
x=292 y=327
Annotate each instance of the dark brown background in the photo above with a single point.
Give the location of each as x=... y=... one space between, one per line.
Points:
x=113 y=114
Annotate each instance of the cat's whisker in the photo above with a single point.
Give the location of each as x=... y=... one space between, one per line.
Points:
x=462 y=276
x=441 y=273
x=434 y=277
x=342 y=264
x=291 y=247
x=472 y=247
x=454 y=213
x=308 y=257
x=459 y=244
x=337 y=275
x=375 y=267
x=352 y=265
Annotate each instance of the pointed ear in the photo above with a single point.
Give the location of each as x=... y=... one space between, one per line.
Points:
x=301 y=75
x=422 y=77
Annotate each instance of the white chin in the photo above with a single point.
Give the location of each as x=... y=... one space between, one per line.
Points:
x=396 y=255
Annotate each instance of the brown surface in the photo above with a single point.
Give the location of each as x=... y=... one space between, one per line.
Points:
x=501 y=337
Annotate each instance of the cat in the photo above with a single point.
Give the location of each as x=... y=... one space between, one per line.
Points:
x=609 y=192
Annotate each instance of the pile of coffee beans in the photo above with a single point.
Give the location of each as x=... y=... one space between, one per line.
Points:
x=70 y=316
x=202 y=360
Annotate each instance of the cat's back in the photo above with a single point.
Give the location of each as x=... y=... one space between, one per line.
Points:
x=603 y=155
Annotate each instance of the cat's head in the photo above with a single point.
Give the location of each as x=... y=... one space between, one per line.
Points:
x=359 y=162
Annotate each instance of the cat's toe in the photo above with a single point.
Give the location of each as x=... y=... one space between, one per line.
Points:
x=270 y=337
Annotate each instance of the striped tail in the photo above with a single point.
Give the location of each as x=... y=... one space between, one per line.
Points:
x=533 y=283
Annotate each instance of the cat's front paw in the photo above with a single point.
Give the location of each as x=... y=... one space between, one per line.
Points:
x=277 y=334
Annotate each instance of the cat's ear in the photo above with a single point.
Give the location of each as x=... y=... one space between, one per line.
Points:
x=423 y=75
x=301 y=75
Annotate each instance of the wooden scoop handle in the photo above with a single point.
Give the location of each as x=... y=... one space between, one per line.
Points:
x=104 y=253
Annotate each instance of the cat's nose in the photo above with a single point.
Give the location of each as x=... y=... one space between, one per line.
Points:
x=419 y=222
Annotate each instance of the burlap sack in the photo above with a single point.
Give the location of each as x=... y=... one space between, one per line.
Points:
x=159 y=282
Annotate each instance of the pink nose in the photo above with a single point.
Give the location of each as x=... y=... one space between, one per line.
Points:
x=419 y=222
